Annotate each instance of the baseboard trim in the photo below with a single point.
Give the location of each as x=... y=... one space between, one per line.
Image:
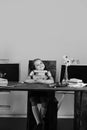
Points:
x=66 y=117
x=25 y=116
x=13 y=115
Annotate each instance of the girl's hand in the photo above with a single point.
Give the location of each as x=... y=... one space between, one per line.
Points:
x=35 y=78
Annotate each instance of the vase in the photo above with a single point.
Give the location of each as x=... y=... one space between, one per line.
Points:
x=65 y=79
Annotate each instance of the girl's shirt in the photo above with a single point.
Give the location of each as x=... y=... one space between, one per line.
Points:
x=43 y=74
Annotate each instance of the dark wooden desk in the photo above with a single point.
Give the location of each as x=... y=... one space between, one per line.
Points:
x=45 y=87
x=51 y=114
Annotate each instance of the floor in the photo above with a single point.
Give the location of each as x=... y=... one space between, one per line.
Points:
x=20 y=124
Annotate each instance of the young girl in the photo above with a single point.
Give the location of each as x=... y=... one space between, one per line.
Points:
x=39 y=74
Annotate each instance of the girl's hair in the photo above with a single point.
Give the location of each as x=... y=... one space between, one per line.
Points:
x=36 y=60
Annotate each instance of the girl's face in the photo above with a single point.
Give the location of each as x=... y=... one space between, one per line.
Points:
x=39 y=65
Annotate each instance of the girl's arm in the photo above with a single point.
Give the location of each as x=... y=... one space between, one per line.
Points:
x=30 y=78
x=49 y=80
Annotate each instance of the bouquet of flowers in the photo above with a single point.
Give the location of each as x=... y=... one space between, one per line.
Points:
x=71 y=61
x=67 y=63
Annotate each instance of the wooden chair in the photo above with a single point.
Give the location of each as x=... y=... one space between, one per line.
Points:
x=51 y=114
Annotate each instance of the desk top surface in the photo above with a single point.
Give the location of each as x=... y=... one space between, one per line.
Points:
x=16 y=86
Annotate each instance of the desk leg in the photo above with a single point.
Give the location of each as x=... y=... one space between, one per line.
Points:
x=77 y=109
x=28 y=107
x=51 y=115
x=30 y=117
x=80 y=109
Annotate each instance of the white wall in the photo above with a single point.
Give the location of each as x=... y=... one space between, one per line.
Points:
x=47 y=29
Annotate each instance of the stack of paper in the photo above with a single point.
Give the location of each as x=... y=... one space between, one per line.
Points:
x=3 y=82
x=76 y=83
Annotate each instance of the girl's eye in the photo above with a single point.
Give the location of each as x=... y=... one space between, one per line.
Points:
x=37 y=65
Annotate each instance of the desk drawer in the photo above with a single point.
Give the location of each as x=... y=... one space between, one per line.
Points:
x=13 y=103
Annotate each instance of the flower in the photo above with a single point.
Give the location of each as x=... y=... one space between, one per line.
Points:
x=67 y=61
